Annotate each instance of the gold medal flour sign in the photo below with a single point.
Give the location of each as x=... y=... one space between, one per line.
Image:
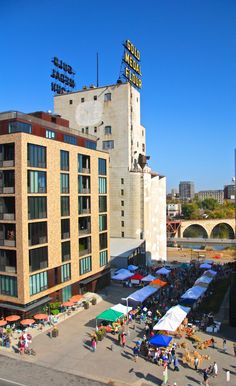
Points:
x=132 y=69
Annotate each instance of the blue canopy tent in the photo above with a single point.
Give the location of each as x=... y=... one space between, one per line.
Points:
x=192 y=294
x=160 y=340
x=132 y=267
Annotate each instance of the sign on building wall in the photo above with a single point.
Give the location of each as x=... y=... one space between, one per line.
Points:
x=132 y=65
x=63 y=77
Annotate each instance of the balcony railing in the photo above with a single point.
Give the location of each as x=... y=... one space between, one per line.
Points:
x=7 y=164
x=7 y=189
x=84 y=252
x=85 y=211
x=84 y=231
x=65 y=235
x=84 y=170
x=84 y=190
x=7 y=243
x=7 y=216
x=7 y=268
x=41 y=240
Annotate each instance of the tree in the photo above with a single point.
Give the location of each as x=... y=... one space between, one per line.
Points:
x=190 y=211
x=210 y=204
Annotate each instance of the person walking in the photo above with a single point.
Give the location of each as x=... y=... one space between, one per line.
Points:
x=215 y=369
x=224 y=345
x=234 y=349
x=135 y=353
x=196 y=363
x=94 y=344
x=205 y=377
x=176 y=364
x=123 y=340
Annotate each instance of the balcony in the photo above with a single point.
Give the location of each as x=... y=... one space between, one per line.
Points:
x=85 y=171
x=84 y=246
x=7 y=164
x=38 y=240
x=85 y=211
x=7 y=268
x=7 y=235
x=7 y=155
x=84 y=191
x=7 y=243
x=84 y=226
x=7 y=216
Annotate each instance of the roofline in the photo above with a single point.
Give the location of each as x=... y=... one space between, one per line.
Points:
x=94 y=88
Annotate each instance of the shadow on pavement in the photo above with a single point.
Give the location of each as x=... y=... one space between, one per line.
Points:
x=193 y=380
x=154 y=380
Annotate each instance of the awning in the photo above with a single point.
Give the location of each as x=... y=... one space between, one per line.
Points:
x=163 y=271
x=110 y=315
x=142 y=294
x=194 y=293
x=148 y=278
x=158 y=283
x=137 y=276
x=121 y=308
x=204 y=279
x=205 y=266
x=132 y=267
x=172 y=319
x=122 y=276
x=210 y=273
x=160 y=340
x=26 y=308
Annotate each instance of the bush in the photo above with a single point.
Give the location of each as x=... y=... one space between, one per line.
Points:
x=86 y=305
x=54 y=306
x=55 y=312
x=94 y=301
x=101 y=333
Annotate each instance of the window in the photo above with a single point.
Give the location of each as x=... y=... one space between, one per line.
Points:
x=65 y=229
x=122 y=223
x=122 y=234
x=91 y=144
x=83 y=163
x=71 y=102
x=70 y=139
x=65 y=272
x=64 y=156
x=142 y=132
x=38 y=283
x=36 y=182
x=102 y=241
x=86 y=130
x=16 y=127
x=107 y=97
x=38 y=259
x=122 y=181
x=37 y=208
x=84 y=246
x=36 y=156
x=65 y=206
x=84 y=204
x=102 y=166
x=65 y=187
x=65 y=251
x=103 y=258
x=7 y=261
x=95 y=97
x=143 y=148
x=50 y=134
x=82 y=100
x=102 y=185
x=122 y=192
x=102 y=222
x=7 y=154
x=85 y=265
x=106 y=145
x=7 y=181
x=102 y=204
x=95 y=129
x=137 y=144
x=8 y=285
x=84 y=225
x=122 y=203
x=37 y=233
x=122 y=213
x=107 y=130
x=84 y=184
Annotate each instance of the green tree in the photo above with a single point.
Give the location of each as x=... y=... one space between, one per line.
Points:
x=190 y=211
x=210 y=204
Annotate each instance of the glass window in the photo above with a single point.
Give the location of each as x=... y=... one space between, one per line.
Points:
x=37 y=233
x=7 y=154
x=91 y=144
x=70 y=139
x=83 y=163
x=103 y=240
x=122 y=181
x=102 y=204
x=102 y=185
x=84 y=225
x=37 y=207
x=84 y=184
x=122 y=234
x=103 y=257
x=36 y=182
x=7 y=261
x=8 y=285
x=64 y=160
x=50 y=134
x=65 y=206
x=102 y=222
x=65 y=229
x=102 y=166
x=122 y=213
x=84 y=246
x=38 y=283
x=7 y=181
x=36 y=156
x=85 y=265
x=16 y=127
x=107 y=97
x=122 y=192
x=84 y=205
x=65 y=187
x=106 y=145
x=65 y=272
x=38 y=259
x=65 y=251
x=107 y=130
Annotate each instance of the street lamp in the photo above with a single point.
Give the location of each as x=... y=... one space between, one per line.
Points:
x=127 y=305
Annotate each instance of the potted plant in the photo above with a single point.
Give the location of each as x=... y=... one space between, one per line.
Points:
x=94 y=301
x=101 y=333
x=55 y=332
x=86 y=305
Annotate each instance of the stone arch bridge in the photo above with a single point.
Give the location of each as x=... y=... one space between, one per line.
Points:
x=207 y=227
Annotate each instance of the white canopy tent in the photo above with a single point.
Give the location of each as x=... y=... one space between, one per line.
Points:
x=122 y=276
x=194 y=293
x=121 y=308
x=163 y=271
x=148 y=278
x=172 y=319
x=204 y=279
x=122 y=270
x=142 y=294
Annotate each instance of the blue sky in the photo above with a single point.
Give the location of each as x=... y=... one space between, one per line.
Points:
x=188 y=102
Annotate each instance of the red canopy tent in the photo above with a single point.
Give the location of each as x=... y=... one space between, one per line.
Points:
x=137 y=276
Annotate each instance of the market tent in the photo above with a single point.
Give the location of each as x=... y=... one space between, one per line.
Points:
x=122 y=276
x=158 y=283
x=208 y=262
x=201 y=284
x=137 y=276
x=122 y=270
x=193 y=293
x=121 y=308
x=160 y=340
x=148 y=278
x=210 y=272
x=205 y=266
x=132 y=267
x=110 y=315
x=172 y=319
x=163 y=271
x=204 y=279
x=142 y=294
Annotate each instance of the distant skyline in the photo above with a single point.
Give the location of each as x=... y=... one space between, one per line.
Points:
x=188 y=63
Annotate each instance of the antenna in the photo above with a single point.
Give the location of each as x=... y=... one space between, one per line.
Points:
x=97 y=71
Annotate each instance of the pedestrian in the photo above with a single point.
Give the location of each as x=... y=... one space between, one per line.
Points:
x=215 y=369
x=123 y=340
x=224 y=346
x=213 y=342
x=165 y=375
x=176 y=364
x=235 y=349
x=205 y=377
x=135 y=353
x=196 y=363
x=94 y=344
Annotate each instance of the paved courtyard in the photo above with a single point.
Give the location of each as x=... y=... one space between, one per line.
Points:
x=70 y=352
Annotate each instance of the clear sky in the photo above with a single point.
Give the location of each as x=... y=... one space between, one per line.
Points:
x=188 y=53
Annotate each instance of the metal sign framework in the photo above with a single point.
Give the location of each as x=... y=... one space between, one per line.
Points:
x=131 y=65
x=63 y=77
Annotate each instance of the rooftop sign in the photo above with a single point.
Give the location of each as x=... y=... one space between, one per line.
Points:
x=63 y=74
x=132 y=68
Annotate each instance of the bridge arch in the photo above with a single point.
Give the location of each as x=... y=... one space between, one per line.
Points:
x=195 y=231
x=222 y=231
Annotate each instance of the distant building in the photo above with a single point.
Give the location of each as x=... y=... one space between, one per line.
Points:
x=186 y=190
x=218 y=195
x=173 y=210
x=229 y=192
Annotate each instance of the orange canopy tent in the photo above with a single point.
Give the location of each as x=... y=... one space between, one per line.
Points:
x=68 y=304
x=158 y=283
x=40 y=316
x=3 y=323
x=76 y=298
x=12 y=318
x=27 y=322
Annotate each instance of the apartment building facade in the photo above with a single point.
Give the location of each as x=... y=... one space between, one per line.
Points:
x=218 y=195
x=54 y=211
x=138 y=195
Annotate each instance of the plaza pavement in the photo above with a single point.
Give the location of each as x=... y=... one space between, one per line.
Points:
x=70 y=352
